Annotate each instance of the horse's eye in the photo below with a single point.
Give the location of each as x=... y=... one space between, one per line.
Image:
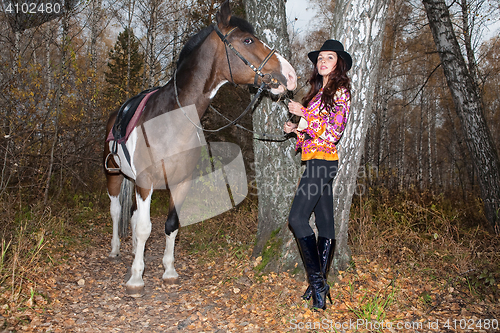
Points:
x=248 y=41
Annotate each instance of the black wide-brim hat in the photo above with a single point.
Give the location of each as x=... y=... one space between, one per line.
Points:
x=332 y=45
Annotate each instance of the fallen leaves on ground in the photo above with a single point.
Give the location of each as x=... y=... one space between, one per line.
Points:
x=221 y=292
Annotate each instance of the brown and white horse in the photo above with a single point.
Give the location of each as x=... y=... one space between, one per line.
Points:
x=227 y=51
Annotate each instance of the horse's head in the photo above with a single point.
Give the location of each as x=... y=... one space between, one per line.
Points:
x=250 y=61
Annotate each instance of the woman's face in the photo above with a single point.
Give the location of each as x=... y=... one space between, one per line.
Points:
x=327 y=61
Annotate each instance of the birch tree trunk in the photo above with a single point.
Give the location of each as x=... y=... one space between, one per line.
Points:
x=419 y=151
x=130 y=15
x=399 y=183
x=59 y=94
x=95 y=22
x=430 y=136
x=151 y=22
x=465 y=94
x=359 y=25
x=276 y=164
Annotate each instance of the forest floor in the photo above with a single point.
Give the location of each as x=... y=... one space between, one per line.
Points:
x=219 y=290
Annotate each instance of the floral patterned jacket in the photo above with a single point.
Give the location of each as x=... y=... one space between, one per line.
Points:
x=324 y=129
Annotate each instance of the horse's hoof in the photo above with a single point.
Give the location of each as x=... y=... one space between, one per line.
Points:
x=114 y=258
x=171 y=280
x=134 y=291
x=114 y=255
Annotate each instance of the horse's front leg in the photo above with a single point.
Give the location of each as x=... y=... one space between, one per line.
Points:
x=135 y=284
x=170 y=276
x=177 y=196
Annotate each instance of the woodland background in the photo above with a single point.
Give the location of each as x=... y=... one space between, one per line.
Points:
x=61 y=79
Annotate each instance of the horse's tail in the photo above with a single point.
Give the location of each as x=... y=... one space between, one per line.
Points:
x=127 y=191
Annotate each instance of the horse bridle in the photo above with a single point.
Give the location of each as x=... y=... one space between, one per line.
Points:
x=268 y=78
x=271 y=81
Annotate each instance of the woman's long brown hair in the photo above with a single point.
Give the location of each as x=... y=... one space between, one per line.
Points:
x=336 y=79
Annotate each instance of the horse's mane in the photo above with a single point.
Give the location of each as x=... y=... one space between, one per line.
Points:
x=242 y=24
x=195 y=41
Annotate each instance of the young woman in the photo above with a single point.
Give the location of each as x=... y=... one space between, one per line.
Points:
x=323 y=120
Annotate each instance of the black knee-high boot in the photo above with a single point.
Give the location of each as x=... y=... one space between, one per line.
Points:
x=319 y=288
x=326 y=248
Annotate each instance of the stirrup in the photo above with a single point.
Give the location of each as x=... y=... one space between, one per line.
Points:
x=112 y=170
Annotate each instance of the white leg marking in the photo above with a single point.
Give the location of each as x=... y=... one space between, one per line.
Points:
x=168 y=257
x=133 y=224
x=115 y=210
x=142 y=232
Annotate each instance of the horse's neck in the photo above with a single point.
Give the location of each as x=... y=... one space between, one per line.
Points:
x=199 y=82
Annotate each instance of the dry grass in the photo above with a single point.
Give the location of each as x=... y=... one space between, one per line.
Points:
x=24 y=237
x=435 y=236
x=406 y=239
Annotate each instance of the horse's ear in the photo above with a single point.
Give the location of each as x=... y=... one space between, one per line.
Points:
x=224 y=15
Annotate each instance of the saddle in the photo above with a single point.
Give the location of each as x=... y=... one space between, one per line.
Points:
x=125 y=122
x=128 y=115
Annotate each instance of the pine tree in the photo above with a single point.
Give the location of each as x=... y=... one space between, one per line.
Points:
x=125 y=68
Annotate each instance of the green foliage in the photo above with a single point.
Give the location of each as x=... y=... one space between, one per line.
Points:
x=426 y=298
x=483 y=282
x=487 y=277
x=125 y=75
x=204 y=168
x=271 y=250
x=160 y=202
x=373 y=307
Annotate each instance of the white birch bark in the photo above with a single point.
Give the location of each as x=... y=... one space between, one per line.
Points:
x=276 y=164
x=430 y=136
x=465 y=94
x=59 y=95
x=401 y=153
x=130 y=13
x=420 y=147
x=151 y=13
x=359 y=25
x=95 y=18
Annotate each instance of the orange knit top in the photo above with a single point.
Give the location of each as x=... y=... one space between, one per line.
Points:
x=324 y=128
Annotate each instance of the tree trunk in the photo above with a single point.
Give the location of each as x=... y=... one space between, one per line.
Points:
x=276 y=164
x=359 y=25
x=431 y=135
x=59 y=94
x=469 y=108
x=95 y=22
x=151 y=36
x=419 y=151
x=130 y=13
x=399 y=183
x=466 y=30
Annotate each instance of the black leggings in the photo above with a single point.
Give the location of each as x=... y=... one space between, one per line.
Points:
x=314 y=194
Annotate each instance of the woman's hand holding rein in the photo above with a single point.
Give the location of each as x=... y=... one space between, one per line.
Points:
x=295 y=108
